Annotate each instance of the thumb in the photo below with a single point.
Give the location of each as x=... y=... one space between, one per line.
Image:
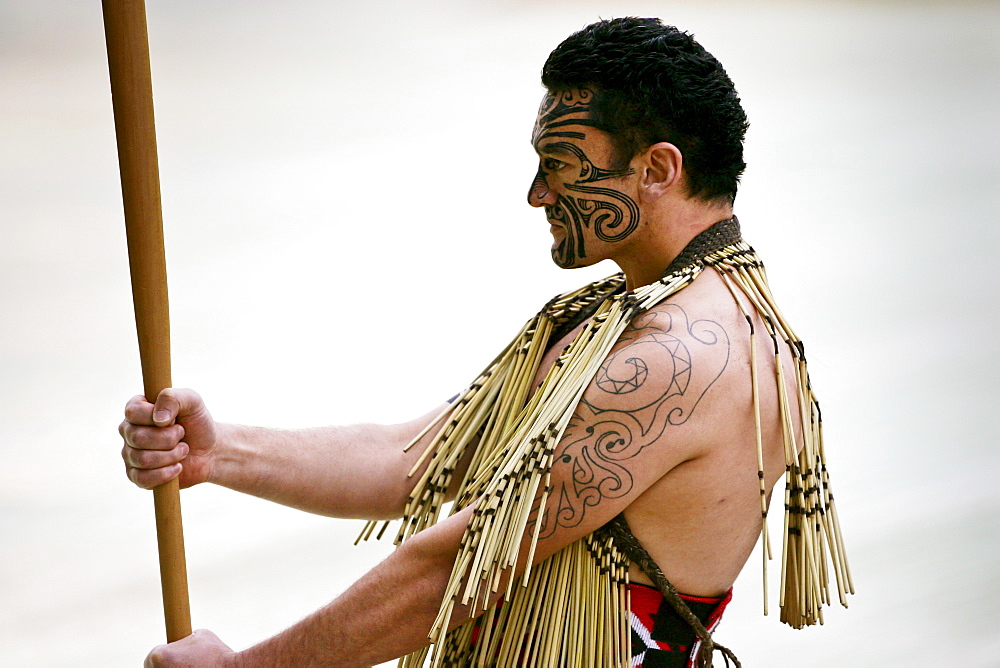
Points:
x=166 y=408
x=173 y=403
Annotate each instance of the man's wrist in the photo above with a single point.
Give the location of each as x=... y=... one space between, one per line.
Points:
x=224 y=460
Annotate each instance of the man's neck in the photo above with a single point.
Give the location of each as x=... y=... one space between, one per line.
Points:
x=664 y=239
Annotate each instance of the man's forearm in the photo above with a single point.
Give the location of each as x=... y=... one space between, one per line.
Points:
x=357 y=471
x=386 y=614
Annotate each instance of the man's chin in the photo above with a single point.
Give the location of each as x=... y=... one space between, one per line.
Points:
x=566 y=263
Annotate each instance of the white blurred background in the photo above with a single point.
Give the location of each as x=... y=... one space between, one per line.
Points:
x=347 y=241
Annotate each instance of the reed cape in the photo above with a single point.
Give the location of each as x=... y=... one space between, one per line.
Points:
x=572 y=609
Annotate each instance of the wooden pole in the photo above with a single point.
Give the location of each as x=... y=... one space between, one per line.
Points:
x=132 y=98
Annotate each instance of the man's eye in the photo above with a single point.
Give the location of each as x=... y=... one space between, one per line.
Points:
x=553 y=165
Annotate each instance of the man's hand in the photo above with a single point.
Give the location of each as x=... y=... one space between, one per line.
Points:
x=201 y=649
x=174 y=437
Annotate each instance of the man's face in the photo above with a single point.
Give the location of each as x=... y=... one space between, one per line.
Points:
x=585 y=201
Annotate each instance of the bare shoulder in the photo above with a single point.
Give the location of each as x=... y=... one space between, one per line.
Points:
x=653 y=405
x=671 y=360
x=666 y=433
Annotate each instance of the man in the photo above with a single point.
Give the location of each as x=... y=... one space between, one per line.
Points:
x=636 y=425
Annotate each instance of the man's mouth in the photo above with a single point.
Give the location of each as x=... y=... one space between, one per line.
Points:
x=552 y=215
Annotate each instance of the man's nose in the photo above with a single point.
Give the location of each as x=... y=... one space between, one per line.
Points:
x=539 y=194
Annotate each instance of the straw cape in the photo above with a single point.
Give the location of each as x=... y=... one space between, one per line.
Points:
x=517 y=433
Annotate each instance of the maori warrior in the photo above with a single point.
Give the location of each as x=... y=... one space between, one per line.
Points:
x=631 y=430
x=517 y=432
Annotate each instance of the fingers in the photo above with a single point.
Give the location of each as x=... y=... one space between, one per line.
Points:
x=153 y=449
x=146 y=447
x=148 y=479
x=164 y=454
x=151 y=467
x=153 y=434
x=138 y=411
x=150 y=438
x=201 y=648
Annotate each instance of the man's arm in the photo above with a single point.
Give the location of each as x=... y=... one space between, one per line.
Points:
x=386 y=614
x=627 y=433
x=356 y=471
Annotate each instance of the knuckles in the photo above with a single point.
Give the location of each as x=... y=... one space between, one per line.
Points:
x=148 y=479
x=139 y=477
x=156 y=657
x=154 y=459
x=152 y=438
x=138 y=410
x=148 y=459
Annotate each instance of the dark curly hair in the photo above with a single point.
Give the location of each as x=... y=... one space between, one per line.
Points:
x=653 y=83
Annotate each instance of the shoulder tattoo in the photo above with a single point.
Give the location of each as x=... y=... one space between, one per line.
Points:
x=659 y=372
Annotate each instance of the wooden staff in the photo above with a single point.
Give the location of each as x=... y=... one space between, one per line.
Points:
x=132 y=98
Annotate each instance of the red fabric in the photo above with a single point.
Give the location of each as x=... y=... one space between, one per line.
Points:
x=660 y=637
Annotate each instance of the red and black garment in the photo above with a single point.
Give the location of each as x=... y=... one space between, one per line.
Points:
x=661 y=638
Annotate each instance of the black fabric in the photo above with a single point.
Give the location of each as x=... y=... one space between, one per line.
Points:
x=670 y=629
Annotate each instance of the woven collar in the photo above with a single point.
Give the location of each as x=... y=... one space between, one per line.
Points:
x=723 y=233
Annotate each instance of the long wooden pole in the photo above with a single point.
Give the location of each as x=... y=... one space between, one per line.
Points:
x=132 y=98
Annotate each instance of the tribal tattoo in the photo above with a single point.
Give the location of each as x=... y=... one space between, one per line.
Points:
x=609 y=213
x=645 y=386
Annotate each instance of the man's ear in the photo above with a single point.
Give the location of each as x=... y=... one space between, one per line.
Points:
x=662 y=170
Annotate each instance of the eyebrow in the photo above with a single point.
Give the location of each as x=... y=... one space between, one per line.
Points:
x=570 y=134
x=554 y=148
x=536 y=143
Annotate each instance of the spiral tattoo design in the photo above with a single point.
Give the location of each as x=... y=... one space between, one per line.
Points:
x=655 y=378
